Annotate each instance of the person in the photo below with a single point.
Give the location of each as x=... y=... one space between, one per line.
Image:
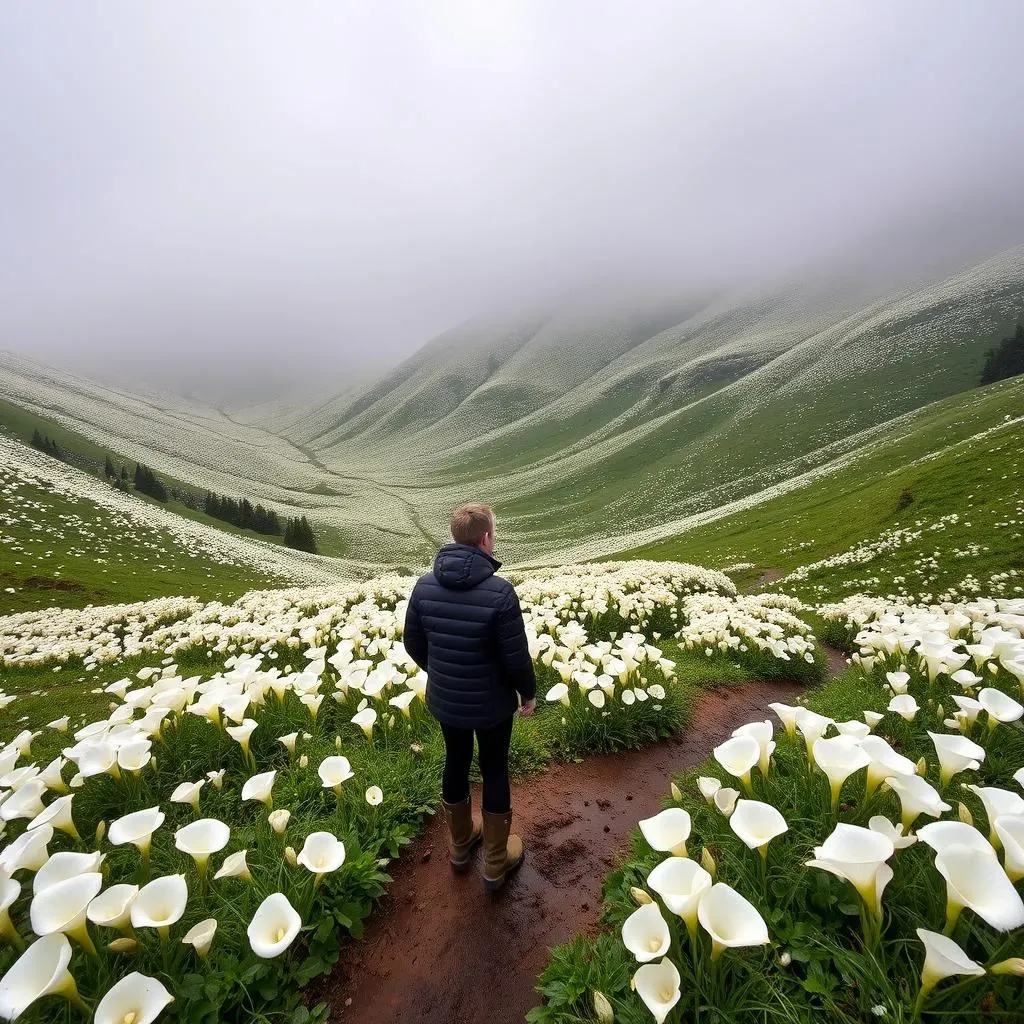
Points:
x=464 y=626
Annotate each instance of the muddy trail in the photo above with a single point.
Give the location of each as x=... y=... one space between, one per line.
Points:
x=440 y=950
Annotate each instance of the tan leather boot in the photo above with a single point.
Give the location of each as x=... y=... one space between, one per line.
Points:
x=503 y=853
x=463 y=835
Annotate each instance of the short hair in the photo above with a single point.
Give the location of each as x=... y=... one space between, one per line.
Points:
x=470 y=523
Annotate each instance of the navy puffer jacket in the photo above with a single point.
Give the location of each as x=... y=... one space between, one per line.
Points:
x=464 y=626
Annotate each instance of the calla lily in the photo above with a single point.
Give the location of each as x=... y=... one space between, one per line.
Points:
x=402 y=702
x=884 y=762
x=274 y=926
x=956 y=754
x=10 y=890
x=940 y=835
x=135 y=999
x=279 y=820
x=725 y=800
x=857 y=855
x=738 y=756
x=288 y=742
x=333 y=771
x=112 y=908
x=978 y=882
x=374 y=796
x=61 y=907
x=200 y=936
x=53 y=776
x=216 y=779
x=134 y=756
x=28 y=851
x=999 y=706
x=917 y=797
x=25 y=802
x=645 y=933
x=730 y=919
x=64 y=865
x=42 y=970
x=839 y=757
x=757 y=823
x=854 y=729
x=896 y=833
x=58 y=814
x=787 y=716
x=681 y=883
x=997 y=803
x=258 y=787
x=365 y=719
x=241 y=734
x=812 y=727
x=234 y=866
x=943 y=958
x=136 y=828
x=322 y=853
x=160 y=903
x=904 y=705
x=708 y=787
x=1009 y=829
x=898 y=681
x=559 y=692
x=965 y=679
x=668 y=830
x=201 y=839
x=762 y=732
x=597 y=698
x=188 y=793
x=658 y=986
x=872 y=718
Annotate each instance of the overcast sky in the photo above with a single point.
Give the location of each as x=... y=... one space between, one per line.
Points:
x=189 y=178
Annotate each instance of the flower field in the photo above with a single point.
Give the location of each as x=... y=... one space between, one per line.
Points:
x=201 y=848
x=857 y=857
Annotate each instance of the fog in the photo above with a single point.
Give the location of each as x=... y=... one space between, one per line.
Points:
x=327 y=185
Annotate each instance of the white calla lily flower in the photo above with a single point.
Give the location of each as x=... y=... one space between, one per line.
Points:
x=1010 y=830
x=42 y=970
x=681 y=883
x=940 y=835
x=812 y=726
x=668 y=830
x=738 y=756
x=112 y=908
x=757 y=824
x=160 y=903
x=787 y=716
x=708 y=787
x=259 y=787
x=904 y=705
x=274 y=926
x=201 y=839
x=859 y=856
x=839 y=757
x=64 y=865
x=61 y=907
x=658 y=986
x=333 y=771
x=28 y=851
x=135 y=999
x=999 y=706
x=234 y=866
x=365 y=719
x=136 y=828
x=200 y=936
x=956 y=754
x=645 y=933
x=322 y=853
x=730 y=919
x=725 y=800
x=762 y=732
x=943 y=958
x=885 y=762
x=980 y=883
x=900 y=838
x=917 y=797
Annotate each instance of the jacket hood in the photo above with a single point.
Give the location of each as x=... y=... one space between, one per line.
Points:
x=460 y=566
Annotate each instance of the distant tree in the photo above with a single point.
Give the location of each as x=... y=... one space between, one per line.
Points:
x=298 y=533
x=149 y=483
x=1006 y=359
x=37 y=439
x=108 y=468
x=905 y=499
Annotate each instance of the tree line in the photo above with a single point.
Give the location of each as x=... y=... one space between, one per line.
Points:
x=298 y=532
x=1006 y=359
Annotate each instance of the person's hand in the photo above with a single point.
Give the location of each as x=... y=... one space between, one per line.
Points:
x=528 y=707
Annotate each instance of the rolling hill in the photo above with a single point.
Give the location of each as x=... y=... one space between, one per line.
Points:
x=593 y=428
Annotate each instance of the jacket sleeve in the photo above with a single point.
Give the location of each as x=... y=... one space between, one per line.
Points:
x=513 y=649
x=413 y=636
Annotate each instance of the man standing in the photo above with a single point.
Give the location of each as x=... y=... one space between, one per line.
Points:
x=464 y=626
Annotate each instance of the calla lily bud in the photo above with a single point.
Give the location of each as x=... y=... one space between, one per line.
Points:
x=922 y=767
x=708 y=862
x=640 y=897
x=964 y=813
x=678 y=797
x=291 y=856
x=603 y=1009
x=123 y=945
x=101 y=830
x=304 y=761
x=279 y=820
x=1015 y=965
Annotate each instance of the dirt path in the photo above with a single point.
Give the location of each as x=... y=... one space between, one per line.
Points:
x=440 y=950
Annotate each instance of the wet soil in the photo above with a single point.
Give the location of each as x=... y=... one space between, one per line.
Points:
x=440 y=950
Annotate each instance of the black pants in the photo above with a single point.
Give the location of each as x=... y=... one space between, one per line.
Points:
x=493 y=746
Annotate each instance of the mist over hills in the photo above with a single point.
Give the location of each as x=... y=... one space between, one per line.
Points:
x=592 y=425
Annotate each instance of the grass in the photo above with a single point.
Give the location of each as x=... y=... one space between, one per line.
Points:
x=946 y=470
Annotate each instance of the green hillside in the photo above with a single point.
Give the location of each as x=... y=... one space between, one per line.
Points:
x=941 y=498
